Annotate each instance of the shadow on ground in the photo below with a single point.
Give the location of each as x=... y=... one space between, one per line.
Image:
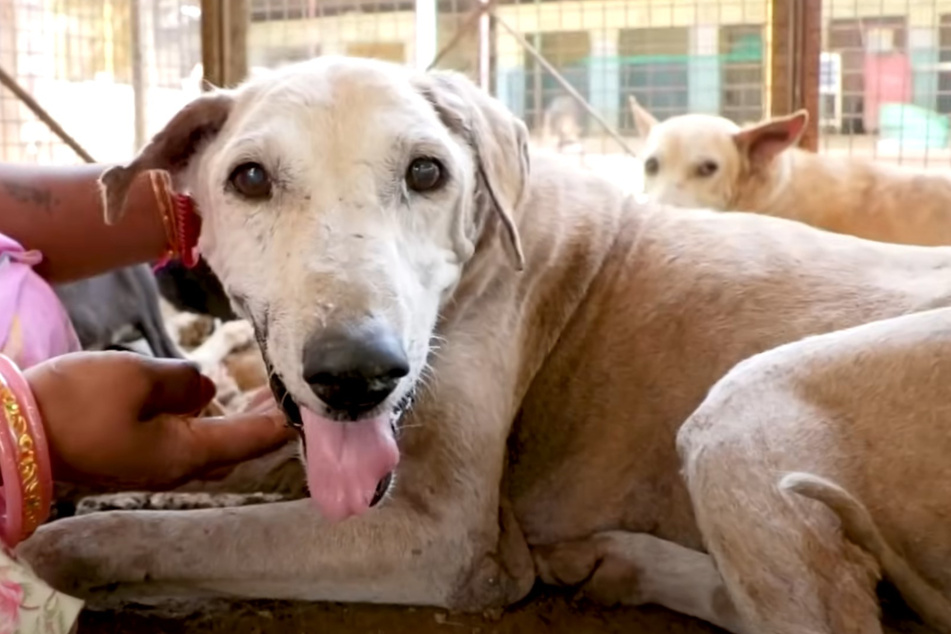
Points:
x=540 y=614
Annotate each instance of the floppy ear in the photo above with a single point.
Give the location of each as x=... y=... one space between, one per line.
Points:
x=643 y=120
x=498 y=139
x=169 y=150
x=761 y=143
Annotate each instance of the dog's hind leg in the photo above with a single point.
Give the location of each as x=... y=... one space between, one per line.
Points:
x=621 y=568
x=784 y=560
x=860 y=529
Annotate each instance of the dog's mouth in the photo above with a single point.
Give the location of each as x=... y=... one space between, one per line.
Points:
x=350 y=461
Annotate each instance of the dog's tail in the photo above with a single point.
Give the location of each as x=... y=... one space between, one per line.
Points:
x=859 y=528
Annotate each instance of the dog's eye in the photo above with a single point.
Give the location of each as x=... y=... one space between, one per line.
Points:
x=651 y=166
x=251 y=180
x=707 y=168
x=424 y=174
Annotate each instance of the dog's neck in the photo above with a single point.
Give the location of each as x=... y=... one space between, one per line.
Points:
x=802 y=185
x=767 y=189
x=557 y=265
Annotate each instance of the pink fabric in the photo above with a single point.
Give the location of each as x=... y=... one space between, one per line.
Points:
x=34 y=326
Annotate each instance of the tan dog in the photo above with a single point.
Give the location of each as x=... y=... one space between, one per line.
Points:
x=707 y=161
x=857 y=420
x=358 y=211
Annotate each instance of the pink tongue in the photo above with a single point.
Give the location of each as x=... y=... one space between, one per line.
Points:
x=346 y=461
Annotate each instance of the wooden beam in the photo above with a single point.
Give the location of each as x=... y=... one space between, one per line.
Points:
x=811 y=53
x=139 y=86
x=211 y=38
x=795 y=44
x=236 y=20
x=224 y=41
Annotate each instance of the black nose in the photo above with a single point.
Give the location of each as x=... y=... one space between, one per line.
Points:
x=354 y=369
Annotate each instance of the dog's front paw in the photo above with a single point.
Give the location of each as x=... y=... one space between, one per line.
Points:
x=236 y=335
x=599 y=567
x=80 y=554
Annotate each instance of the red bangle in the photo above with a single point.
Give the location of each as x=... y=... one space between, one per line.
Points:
x=24 y=458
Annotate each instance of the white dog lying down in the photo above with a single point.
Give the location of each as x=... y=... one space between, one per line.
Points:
x=700 y=160
x=371 y=222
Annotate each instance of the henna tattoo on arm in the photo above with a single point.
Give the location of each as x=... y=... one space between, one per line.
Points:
x=39 y=197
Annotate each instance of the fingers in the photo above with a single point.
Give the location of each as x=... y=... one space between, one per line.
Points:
x=176 y=387
x=220 y=442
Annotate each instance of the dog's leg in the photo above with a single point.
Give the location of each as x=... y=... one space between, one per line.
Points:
x=783 y=559
x=277 y=551
x=617 y=567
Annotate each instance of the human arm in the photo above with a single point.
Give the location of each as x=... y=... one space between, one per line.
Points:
x=124 y=420
x=58 y=211
x=117 y=420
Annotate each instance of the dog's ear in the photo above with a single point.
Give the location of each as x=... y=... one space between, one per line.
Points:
x=643 y=120
x=498 y=138
x=170 y=150
x=762 y=142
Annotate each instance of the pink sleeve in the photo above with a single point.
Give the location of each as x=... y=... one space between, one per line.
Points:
x=34 y=325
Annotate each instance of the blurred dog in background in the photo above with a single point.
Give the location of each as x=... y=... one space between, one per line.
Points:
x=562 y=125
x=116 y=308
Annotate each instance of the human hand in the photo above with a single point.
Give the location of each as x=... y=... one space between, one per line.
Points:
x=128 y=421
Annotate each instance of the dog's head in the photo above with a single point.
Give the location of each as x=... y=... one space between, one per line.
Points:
x=341 y=199
x=699 y=160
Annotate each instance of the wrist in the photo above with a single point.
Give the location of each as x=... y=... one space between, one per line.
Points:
x=24 y=457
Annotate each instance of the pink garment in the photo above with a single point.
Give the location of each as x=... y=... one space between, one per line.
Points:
x=34 y=326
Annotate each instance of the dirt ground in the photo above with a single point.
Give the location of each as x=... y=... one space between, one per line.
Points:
x=544 y=614
x=548 y=614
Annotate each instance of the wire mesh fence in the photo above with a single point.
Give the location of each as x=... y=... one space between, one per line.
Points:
x=887 y=80
x=110 y=72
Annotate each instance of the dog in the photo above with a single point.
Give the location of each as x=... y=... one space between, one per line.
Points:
x=791 y=429
x=114 y=307
x=562 y=122
x=489 y=356
x=699 y=160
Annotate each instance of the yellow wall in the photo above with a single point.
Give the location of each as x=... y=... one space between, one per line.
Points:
x=598 y=16
x=920 y=14
x=334 y=33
